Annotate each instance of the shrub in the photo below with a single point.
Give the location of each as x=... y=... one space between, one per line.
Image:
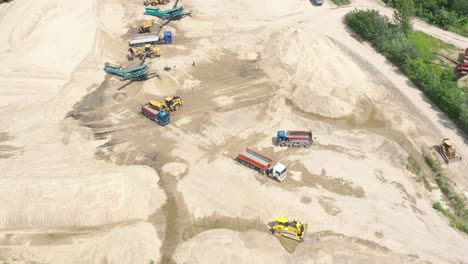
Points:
x=341 y=2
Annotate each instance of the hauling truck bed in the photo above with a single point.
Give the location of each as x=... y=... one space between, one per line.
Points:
x=255 y=159
x=294 y=138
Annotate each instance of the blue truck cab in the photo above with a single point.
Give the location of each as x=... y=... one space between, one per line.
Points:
x=163 y=118
x=167 y=37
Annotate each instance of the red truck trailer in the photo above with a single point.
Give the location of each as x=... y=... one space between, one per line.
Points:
x=262 y=164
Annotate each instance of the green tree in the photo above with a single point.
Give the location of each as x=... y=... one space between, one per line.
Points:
x=463 y=118
x=461 y=6
x=404 y=13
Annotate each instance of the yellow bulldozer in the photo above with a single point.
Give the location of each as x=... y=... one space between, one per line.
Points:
x=448 y=151
x=291 y=229
x=155 y=2
x=138 y=52
x=171 y=103
x=146 y=26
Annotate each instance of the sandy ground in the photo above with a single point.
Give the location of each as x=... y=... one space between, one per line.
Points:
x=86 y=179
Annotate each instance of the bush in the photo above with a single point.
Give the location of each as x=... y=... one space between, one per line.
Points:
x=452 y=219
x=451 y=15
x=463 y=118
x=341 y=2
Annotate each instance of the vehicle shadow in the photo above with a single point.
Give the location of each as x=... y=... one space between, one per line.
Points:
x=274 y=141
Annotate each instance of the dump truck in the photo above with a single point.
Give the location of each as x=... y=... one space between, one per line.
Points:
x=138 y=52
x=146 y=26
x=448 y=151
x=295 y=229
x=153 y=39
x=155 y=2
x=262 y=164
x=161 y=117
x=294 y=138
x=170 y=103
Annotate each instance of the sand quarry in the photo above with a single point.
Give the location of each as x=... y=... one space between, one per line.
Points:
x=85 y=178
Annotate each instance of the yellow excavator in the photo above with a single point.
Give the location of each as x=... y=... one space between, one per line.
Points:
x=291 y=229
x=171 y=103
x=138 y=52
x=146 y=26
x=448 y=151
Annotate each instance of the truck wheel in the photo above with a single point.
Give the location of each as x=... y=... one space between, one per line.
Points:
x=152 y=55
x=176 y=107
x=153 y=3
x=282 y=145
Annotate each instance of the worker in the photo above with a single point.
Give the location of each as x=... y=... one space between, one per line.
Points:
x=193 y=63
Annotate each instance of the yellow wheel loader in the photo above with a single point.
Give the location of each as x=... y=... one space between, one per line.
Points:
x=448 y=151
x=146 y=26
x=138 y=52
x=171 y=103
x=291 y=229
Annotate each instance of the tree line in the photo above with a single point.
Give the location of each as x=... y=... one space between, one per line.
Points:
x=447 y=14
x=413 y=53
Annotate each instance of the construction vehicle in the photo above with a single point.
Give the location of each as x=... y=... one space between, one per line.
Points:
x=139 y=52
x=146 y=26
x=290 y=229
x=294 y=138
x=462 y=66
x=262 y=164
x=139 y=73
x=448 y=151
x=155 y=2
x=153 y=39
x=171 y=103
x=174 y=13
x=161 y=117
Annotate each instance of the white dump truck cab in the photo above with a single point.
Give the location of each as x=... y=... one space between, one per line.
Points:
x=278 y=172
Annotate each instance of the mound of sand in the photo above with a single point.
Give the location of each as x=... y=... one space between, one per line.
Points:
x=326 y=83
x=226 y=246
x=83 y=247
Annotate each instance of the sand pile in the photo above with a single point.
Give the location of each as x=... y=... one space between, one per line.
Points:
x=226 y=246
x=83 y=247
x=52 y=178
x=323 y=79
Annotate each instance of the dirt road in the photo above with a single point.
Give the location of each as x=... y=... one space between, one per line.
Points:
x=431 y=115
